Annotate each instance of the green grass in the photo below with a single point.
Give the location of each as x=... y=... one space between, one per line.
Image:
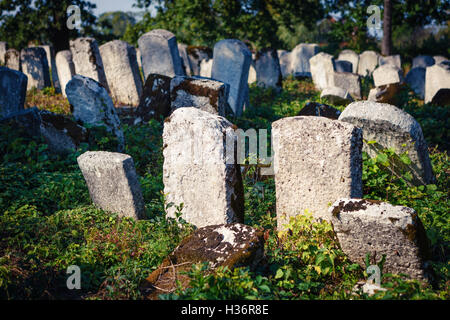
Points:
x=48 y=223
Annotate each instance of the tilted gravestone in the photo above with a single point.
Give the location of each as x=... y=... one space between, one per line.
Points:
x=205 y=94
x=437 y=84
x=122 y=72
x=155 y=100
x=378 y=228
x=87 y=60
x=268 y=71
x=65 y=67
x=416 y=80
x=12 y=59
x=3 y=49
x=197 y=170
x=113 y=183
x=35 y=66
x=317 y=160
x=322 y=70
x=231 y=65
x=92 y=105
x=368 y=61
x=300 y=58
x=13 y=91
x=350 y=56
x=159 y=52
x=196 y=55
x=392 y=127
x=394 y=60
x=348 y=81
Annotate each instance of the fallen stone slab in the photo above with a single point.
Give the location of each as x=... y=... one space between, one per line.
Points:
x=155 y=99
x=113 y=183
x=379 y=228
x=348 y=81
x=13 y=91
x=336 y=95
x=319 y=110
x=226 y=245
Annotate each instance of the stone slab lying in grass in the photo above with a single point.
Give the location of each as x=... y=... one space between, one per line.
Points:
x=378 y=228
x=112 y=182
x=231 y=246
x=336 y=95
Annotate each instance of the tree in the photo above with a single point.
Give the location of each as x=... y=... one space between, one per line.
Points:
x=386 y=48
x=45 y=21
x=114 y=24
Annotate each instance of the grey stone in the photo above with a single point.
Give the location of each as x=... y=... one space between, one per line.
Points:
x=113 y=183
x=422 y=62
x=350 y=56
x=379 y=228
x=155 y=100
x=322 y=70
x=368 y=61
x=122 y=72
x=319 y=110
x=12 y=59
x=205 y=94
x=159 y=51
x=65 y=67
x=300 y=58
x=196 y=55
x=13 y=91
x=392 y=127
x=35 y=66
x=196 y=170
x=87 y=60
x=343 y=66
x=268 y=71
x=251 y=73
x=387 y=74
x=138 y=57
x=394 y=60
x=285 y=62
x=3 y=48
x=206 y=67
x=28 y=120
x=52 y=65
x=182 y=49
x=439 y=59
x=348 y=81
x=231 y=65
x=316 y=161
x=437 y=77
x=92 y=105
x=416 y=80
x=336 y=95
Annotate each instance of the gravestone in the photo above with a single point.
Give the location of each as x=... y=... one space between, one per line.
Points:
x=13 y=91
x=87 y=60
x=205 y=68
x=422 y=62
x=35 y=66
x=65 y=67
x=12 y=59
x=336 y=95
x=322 y=70
x=316 y=161
x=122 y=72
x=368 y=61
x=437 y=84
x=319 y=110
x=196 y=55
x=416 y=80
x=92 y=105
x=379 y=228
x=3 y=49
x=182 y=49
x=155 y=99
x=392 y=127
x=138 y=57
x=348 y=81
x=196 y=169
x=394 y=60
x=113 y=183
x=52 y=65
x=159 y=51
x=343 y=66
x=300 y=58
x=439 y=59
x=205 y=94
x=350 y=56
x=268 y=71
x=285 y=62
x=231 y=65
x=387 y=74
x=251 y=73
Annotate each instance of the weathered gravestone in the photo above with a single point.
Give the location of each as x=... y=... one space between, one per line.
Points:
x=231 y=65
x=122 y=72
x=182 y=49
x=155 y=99
x=378 y=228
x=268 y=71
x=196 y=55
x=226 y=245
x=12 y=59
x=368 y=61
x=350 y=56
x=35 y=66
x=87 y=60
x=113 y=183
x=200 y=168
x=336 y=95
x=206 y=94
x=65 y=67
x=159 y=52
x=437 y=84
x=13 y=91
x=322 y=70
x=348 y=81
x=317 y=160
x=343 y=66
x=319 y=110
x=300 y=59
x=394 y=60
x=422 y=62
x=416 y=80
x=206 y=67
x=52 y=65
x=3 y=49
x=387 y=74
x=393 y=128
x=92 y=105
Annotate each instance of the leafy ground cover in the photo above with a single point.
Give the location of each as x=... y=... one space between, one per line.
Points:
x=48 y=223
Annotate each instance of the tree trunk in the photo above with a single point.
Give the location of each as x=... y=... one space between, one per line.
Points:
x=386 y=48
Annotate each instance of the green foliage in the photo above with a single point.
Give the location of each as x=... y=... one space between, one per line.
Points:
x=114 y=24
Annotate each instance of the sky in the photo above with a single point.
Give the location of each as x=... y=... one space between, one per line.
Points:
x=113 y=5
